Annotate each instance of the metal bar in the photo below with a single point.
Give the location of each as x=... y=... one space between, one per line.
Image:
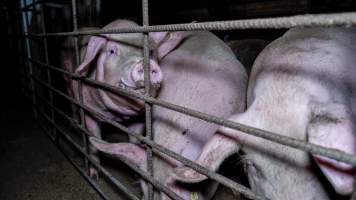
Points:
x=28 y=52
x=30 y=7
x=141 y=172
x=326 y=20
x=159 y=150
x=148 y=106
x=278 y=138
x=79 y=89
x=33 y=4
x=104 y=171
x=45 y=49
x=82 y=150
x=75 y=165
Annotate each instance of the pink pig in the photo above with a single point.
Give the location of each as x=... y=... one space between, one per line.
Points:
x=116 y=59
x=201 y=73
x=303 y=86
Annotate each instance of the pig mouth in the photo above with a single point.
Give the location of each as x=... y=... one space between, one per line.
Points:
x=140 y=88
x=132 y=102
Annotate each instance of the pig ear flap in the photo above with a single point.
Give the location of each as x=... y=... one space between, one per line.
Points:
x=129 y=151
x=331 y=126
x=166 y=42
x=95 y=44
x=221 y=146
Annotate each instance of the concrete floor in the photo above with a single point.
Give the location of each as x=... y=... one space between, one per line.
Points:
x=31 y=167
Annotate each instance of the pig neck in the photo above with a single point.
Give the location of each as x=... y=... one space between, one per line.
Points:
x=274 y=170
x=280 y=107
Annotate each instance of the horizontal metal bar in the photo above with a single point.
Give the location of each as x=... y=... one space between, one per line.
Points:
x=142 y=173
x=76 y=166
x=80 y=149
x=326 y=20
x=30 y=7
x=159 y=150
x=278 y=138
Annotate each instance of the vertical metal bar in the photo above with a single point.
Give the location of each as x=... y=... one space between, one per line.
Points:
x=148 y=106
x=28 y=54
x=80 y=94
x=45 y=49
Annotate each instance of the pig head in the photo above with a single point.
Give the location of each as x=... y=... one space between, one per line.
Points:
x=302 y=86
x=200 y=73
x=117 y=60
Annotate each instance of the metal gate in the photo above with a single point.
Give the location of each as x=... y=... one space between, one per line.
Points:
x=55 y=131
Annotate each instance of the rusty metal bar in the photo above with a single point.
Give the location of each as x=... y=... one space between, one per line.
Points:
x=30 y=7
x=342 y=19
x=28 y=51
x=326 y=20
x=142 y=173
x=148 y=106
x=80 y=149
x=79 y=82
x=45 y=52
x=104 y=171
x=74 y=164
x=33 y=4
x=159 y=150
x=278 y=138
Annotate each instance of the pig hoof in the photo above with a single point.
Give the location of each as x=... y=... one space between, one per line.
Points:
x=93 y=173
x=187 y=175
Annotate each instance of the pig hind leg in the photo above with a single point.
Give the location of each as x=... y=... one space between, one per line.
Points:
x=94 y=129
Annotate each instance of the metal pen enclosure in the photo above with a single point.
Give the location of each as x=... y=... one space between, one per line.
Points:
x=45 y=96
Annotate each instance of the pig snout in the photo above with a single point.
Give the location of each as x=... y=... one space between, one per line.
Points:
x=137 y=74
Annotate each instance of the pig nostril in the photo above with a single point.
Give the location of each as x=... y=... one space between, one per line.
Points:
x=154 y=72
x=140 y=71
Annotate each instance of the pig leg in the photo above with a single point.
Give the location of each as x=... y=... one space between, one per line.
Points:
x=190 y=194
x=132 y=152
x=137 y=128
x=94 y=129
x=223 y=144
x=331 y=126
x=172 y=185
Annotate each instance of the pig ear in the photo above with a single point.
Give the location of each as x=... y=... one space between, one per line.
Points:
x=166 y=41
x=132 y=152
x=331 y=126
x=223 y=144
x=95 y=44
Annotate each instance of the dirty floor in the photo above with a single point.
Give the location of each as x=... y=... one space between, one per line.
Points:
x=31 y=167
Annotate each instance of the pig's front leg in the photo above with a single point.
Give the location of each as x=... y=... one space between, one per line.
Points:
x=222 y=145
x=132 y=152
x=170 y=182
x=137 y=128
x=94 y=129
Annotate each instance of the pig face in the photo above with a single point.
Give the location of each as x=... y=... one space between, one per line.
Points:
x=120 y=63
x=299 y=93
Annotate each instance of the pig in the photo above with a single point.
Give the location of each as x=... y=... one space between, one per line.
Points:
x=115 y=59
x=302 y=85
x=200 y=73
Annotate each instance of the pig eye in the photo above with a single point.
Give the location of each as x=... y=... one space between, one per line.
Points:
x=112 y=51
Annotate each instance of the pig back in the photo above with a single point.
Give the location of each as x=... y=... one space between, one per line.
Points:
x=201 y=74
x=318 y=56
